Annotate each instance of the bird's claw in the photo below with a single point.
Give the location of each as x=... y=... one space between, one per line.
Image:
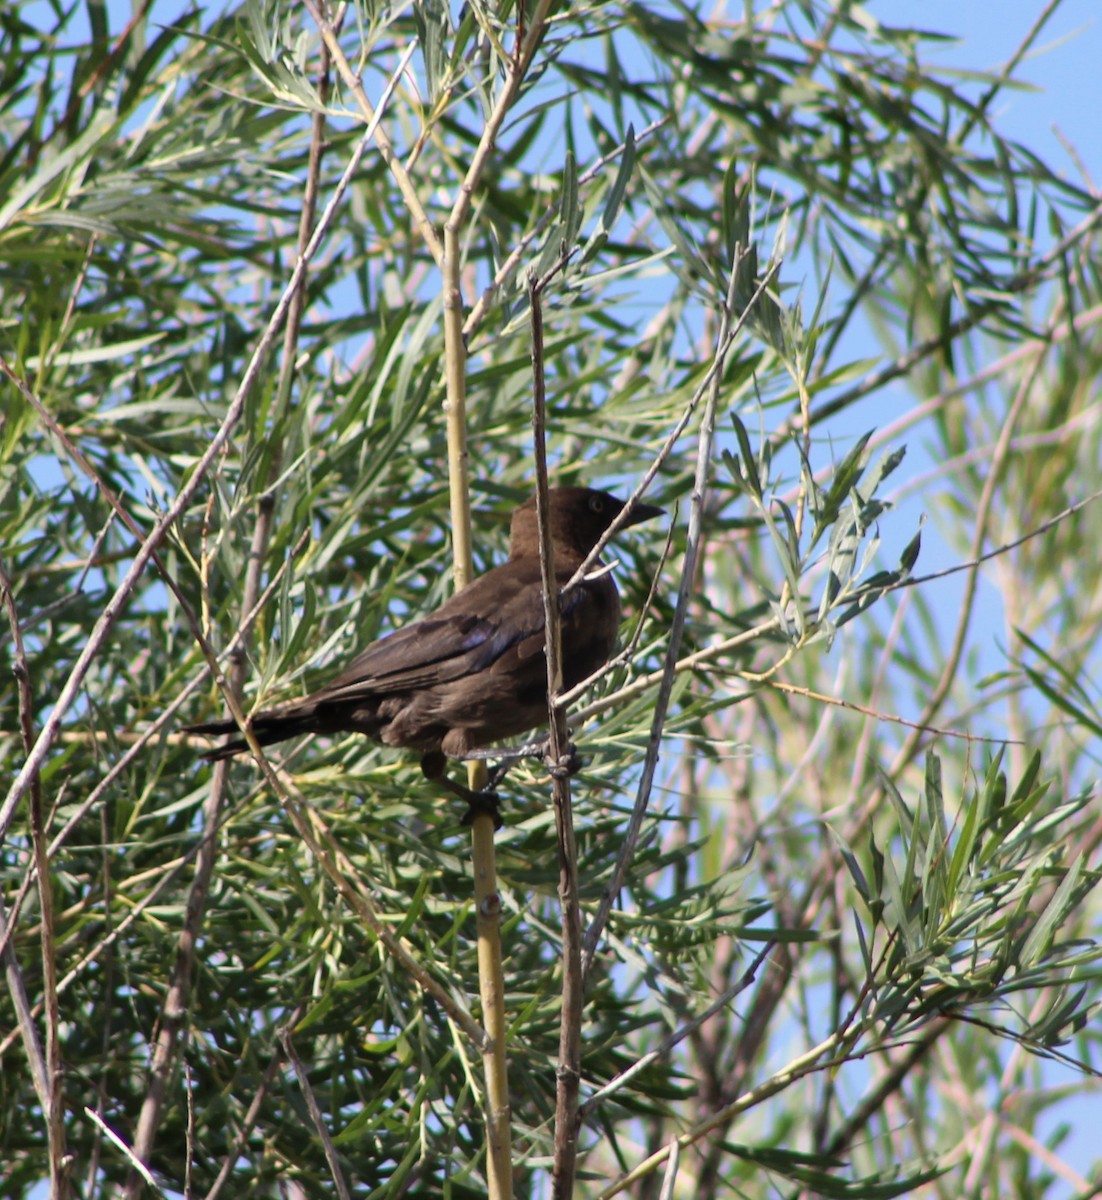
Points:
x=434 y=767
x=506 y=754
x=497 y=774
x=482 y=803
x=567 y=764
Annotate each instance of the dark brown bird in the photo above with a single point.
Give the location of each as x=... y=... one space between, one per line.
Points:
x=473 y=672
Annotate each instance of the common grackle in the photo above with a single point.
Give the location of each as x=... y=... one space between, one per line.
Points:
x=473 y=672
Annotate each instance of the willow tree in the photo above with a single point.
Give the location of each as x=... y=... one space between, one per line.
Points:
x=298 y=302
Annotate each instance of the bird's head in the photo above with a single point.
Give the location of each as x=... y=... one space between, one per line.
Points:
x=579 y=516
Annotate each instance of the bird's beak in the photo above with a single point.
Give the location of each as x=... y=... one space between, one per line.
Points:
x=643 y=512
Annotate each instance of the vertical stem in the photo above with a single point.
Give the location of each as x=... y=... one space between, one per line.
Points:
x=45 y=1071
x=488 y=904
x=568 y=1073
x=491 y=978
x=491 y=981
x=455 y=407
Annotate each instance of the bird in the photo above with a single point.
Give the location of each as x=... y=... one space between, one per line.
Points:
x=473 y=672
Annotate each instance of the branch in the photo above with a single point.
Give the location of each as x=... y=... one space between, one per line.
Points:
x=568 y=1072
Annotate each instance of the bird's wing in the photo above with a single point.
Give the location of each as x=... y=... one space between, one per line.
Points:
x=499 y=614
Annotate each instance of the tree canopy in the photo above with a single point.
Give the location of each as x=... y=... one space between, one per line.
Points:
x=297 y=302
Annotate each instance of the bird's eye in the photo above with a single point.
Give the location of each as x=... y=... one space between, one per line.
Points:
x=596 y=504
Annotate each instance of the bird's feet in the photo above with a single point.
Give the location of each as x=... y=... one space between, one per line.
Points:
x=479 y=803
x=434 y=767
x=563 y=767
x=570 y=763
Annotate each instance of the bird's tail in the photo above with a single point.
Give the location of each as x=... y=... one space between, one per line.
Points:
x=268 y=728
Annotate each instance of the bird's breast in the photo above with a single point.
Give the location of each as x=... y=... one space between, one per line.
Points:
x=590 y=624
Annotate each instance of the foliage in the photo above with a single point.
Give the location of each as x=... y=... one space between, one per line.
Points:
x=855 y=949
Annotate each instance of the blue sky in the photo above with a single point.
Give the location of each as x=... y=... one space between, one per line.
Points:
x=1063 y=64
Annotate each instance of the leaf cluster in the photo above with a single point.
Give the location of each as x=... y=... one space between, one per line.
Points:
x=803 y=971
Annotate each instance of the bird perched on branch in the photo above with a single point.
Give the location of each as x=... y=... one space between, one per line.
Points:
x=474 y=671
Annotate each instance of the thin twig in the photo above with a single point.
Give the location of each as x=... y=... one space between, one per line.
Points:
x=135 y=1162
x=889 y=718
x=678 y=1035
x=54 y=1110
x=45 y=1070
x=32 y=1047
x=335 y=1172
x=823 y=1057
x=568 y=1072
